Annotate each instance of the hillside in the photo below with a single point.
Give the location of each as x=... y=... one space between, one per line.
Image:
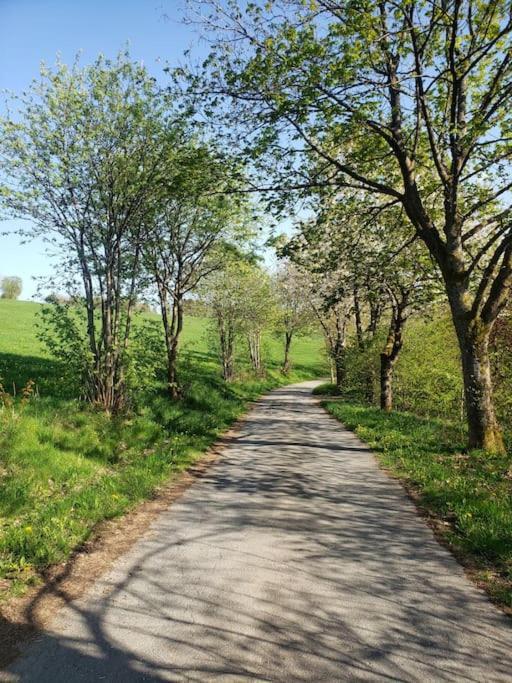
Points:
x=23 y=357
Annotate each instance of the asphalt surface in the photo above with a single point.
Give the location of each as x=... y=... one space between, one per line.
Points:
x=294 y=559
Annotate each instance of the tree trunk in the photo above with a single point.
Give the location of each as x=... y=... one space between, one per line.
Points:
x=227 y=347
x=172 y=356
x=340 y=370
x=386 y=382
x=253 y=341
x=172 y=372
x=287 y=344
x=358 y=321
x=368 y=386
x=228 y=363
x=173 y=327
x=483 y=429
x=228 y=370
x=473 y=315
x=332 y=368
x=394 y=344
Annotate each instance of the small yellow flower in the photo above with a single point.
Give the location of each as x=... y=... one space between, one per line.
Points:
x=28 y=529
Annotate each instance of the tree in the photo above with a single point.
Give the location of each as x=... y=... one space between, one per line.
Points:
x=333 y=318
x=258 y=313
x=239 y=298
x=365 y=265
x=294 y=311
x=403 y=274
x=406 y=100
x=11 y=287
x=82 y=161
x=191 y=223
x=224 y=296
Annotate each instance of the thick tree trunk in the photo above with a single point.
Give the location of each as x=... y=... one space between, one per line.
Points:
x=473 y=315
x=287 y=344
x=483 y=429
x=340 y=370
x=228 y=369
x=386 y=382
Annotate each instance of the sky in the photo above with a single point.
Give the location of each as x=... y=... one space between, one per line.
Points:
x=35 y=31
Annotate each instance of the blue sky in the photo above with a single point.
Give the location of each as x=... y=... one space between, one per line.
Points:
x=32 y=31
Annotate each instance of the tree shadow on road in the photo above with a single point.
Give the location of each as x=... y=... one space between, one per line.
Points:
x=312 y=566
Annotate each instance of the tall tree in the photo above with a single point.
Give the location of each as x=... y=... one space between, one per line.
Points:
x=407 y=100
x=294 y=311
x=191 y=223
x=82 y=159
x=258 y=312
x=224 y=295
x=240 y=300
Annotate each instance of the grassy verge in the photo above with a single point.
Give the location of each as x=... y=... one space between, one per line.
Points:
x=326 y=389
x=468 y=495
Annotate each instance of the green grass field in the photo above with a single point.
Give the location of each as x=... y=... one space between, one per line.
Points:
x=64 y=466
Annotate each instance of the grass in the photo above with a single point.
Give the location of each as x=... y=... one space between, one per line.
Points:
x=326 y=389
x=468 y=493
x=65 y=467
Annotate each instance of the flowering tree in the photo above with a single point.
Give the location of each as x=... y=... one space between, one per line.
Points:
x=405 y=100
x=364 y=266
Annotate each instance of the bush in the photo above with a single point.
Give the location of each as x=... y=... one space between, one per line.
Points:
x=61 y=327
x=427 y=377
x=326 y=389
x=62 y=331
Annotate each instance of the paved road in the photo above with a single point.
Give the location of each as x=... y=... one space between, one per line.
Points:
x=294 y=559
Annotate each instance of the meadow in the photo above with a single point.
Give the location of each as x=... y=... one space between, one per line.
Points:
x=64 y=466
